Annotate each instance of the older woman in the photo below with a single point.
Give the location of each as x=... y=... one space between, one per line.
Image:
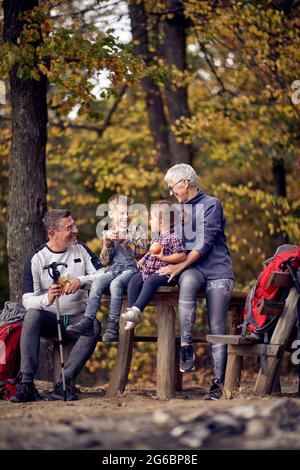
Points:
x=208 y=266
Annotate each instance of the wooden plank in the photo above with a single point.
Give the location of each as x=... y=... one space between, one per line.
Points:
x=279 y=279
x=254 y=349
x=165 y=378
x=119 y=376
x=229 y=339
x=271 y=307
x=282 y=332
x=233 y=372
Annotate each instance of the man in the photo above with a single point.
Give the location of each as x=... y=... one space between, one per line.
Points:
x=39 y=296
x=208 y=266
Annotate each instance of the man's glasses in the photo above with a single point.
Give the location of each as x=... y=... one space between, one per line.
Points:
x=67 y=229
x=171 y=188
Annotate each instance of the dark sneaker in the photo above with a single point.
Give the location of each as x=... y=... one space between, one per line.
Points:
x=111 y=332
x=85 y=327
x=25 y=392
x=187 y=358
x=215 y=392
x=71 y=393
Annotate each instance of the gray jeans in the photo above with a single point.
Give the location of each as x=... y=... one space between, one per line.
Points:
x=39 y=323
x=218 y=294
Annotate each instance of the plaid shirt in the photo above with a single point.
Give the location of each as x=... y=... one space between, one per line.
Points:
x=136 y=248
x=171 y=244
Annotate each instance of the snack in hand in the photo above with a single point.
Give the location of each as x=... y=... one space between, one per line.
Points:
x=62 y=281
x=155 y=248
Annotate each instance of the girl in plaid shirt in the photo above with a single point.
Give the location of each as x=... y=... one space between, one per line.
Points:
x=144 y=284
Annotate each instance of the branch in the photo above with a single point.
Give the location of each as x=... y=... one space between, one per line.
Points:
x=213 y=70
x=90 y=127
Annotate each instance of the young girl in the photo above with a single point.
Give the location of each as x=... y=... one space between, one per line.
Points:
x=166 y=248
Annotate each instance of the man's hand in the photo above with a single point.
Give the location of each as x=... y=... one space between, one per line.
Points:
x=54 y=291
x=172 y=270
x=71 y=286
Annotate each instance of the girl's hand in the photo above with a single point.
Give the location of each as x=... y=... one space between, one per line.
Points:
x=160 y=255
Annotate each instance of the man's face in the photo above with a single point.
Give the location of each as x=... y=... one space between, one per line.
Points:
x=121 y=216
x=65 y=234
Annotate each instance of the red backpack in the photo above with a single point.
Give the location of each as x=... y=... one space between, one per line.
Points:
x=10 y=334
x=254 y=321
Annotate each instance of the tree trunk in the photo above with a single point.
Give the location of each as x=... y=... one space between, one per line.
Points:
x=279 y=179
x=174 y=54
x=27 y=169
x=156 y=116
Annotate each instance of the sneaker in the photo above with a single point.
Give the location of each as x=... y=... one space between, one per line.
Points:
x=111 y=332
x=187 y=358
x=71 y=393
x=130 y=325
x=133 y=317
x=215 y=392
x=25 y=392
x=85 y=327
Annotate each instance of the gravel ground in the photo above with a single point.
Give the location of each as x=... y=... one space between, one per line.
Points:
x=137 y=420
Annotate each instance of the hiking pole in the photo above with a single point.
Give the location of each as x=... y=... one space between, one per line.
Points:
x=55 y=275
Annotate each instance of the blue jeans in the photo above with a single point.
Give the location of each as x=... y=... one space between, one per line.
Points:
x=218 y=294
x=116 y=280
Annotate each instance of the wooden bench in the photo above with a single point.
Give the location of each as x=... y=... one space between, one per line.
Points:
x=168 y=377
x=240 y=346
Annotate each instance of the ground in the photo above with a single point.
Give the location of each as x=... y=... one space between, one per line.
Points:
x=137 y=420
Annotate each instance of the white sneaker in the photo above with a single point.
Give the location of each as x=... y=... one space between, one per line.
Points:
x=130 y=325
x=133 y=317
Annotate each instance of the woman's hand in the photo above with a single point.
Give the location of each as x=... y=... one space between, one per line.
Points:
x=172 y=270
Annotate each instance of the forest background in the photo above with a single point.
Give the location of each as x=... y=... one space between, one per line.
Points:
x=98 y=97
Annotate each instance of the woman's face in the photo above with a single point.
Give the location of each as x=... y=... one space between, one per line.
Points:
x=179 y=189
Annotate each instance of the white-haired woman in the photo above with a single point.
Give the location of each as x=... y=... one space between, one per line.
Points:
x=208 y=266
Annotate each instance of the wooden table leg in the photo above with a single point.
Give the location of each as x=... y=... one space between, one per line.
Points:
x=165 y=384
x=121 y=368
x=281 y=335
x=233 y=371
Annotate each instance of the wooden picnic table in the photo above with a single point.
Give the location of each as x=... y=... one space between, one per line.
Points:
x=168 y=378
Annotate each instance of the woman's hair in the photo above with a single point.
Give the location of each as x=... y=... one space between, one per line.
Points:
x=182 y=171
x=52 y=218
x=167 y=212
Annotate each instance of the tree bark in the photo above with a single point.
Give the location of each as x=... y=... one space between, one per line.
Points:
x=27 y=168
x=279 y=179
x=174 y=54
x=158 y=124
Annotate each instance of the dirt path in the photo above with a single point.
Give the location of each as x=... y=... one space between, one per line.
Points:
x=137 y=420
